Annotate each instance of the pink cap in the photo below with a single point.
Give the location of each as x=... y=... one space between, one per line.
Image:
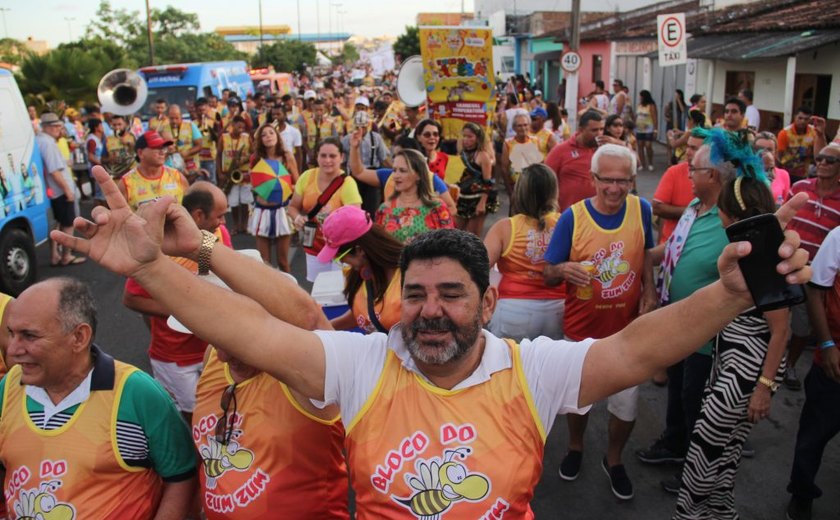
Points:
x=343 y=226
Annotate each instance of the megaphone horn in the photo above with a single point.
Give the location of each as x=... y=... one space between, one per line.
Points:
x=122 y=92
x=411 y=88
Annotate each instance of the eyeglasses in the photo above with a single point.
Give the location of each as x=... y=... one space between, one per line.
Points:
x=224 y=427
x=829 y=159
x=340 y=256
x=692 y=170
x=621 y=183
x=430 y=134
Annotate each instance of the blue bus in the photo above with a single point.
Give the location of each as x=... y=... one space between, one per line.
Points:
x=183 y=83
x=24 y=218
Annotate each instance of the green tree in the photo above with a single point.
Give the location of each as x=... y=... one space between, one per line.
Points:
x=12 y=51
x=285 y=55
x=69 y=74
x=408 y=43
x=349 y=54
x=188 y=48
x=119 y=26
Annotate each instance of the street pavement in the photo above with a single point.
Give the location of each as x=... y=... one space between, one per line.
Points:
x=760 y=488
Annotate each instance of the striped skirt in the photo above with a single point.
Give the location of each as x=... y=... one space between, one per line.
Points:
x=269 y=222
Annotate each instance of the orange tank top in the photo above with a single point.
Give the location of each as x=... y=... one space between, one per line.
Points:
x=417 y=451
x=75 y=468
x=4 y=301
x=521 y=264
x=141 y=190
x=387 y=310
x=281 y=461
x=618 y=256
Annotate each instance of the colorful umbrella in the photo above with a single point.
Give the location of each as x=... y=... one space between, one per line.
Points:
x=271 y=181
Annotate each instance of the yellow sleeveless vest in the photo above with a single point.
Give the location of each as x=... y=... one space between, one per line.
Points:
x=76 y=468
x=141 y=190
x=416 y=450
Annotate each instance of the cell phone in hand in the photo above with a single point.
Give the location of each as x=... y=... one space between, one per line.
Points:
x=768 y=288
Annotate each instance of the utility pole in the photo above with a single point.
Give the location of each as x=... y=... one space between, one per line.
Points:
x=69 y=27
x=572 y=77
x=149 y=34
x=261 y=25
x=4 y=10
x=298 y=7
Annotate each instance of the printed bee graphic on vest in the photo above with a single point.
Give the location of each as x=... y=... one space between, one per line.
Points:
x=219 y=458
x=440 y=483
x=610 y=267
x=41 y=504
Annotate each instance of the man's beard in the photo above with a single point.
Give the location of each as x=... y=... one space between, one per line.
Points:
x=441 y=352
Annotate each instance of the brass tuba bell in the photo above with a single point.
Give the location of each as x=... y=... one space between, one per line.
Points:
x=236 y=176
x=122 y=92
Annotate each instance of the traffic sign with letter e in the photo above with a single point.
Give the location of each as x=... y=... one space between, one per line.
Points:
x=570 y=61
x=671 y=38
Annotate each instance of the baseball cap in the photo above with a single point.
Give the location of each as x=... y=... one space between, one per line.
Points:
x=49 y=118
x=362 y=100
x=341 y=227
x=233 y=101
x=151 y=139
x=539 y=112
x=538 y=92
x=309 y=94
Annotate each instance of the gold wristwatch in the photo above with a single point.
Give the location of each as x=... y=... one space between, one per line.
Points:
x=769 y=383
x=208 y=242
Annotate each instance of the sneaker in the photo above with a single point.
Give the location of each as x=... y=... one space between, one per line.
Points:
x=672 y=485
x=748 y=451
x=570 y=467
x=791 y=381
x=619 y=481
x=650 y=167
x=659 y=454
x=798 y=509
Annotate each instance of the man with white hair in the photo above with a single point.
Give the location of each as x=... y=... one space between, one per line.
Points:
x=601 y=249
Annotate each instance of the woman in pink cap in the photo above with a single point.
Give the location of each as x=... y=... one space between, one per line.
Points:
x=371 y=256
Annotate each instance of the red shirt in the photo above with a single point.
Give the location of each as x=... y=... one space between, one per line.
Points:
x=572 y=164
x=438 y=166
x=674 y=189
x=819 y=216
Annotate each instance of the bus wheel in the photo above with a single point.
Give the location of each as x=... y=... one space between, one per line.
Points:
x=17 y=261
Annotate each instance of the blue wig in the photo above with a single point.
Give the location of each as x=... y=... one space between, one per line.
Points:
x=733 y=148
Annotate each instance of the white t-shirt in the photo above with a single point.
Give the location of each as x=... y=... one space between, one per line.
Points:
x=753 y=117
x=552 y=368
x=826 y=262
x=292 y=138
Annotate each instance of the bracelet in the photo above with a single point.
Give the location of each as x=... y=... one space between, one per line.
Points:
x=769 y=383
x=208 y=242
x=827 y=344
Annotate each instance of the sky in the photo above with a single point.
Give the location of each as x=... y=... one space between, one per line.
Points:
x=59 y=21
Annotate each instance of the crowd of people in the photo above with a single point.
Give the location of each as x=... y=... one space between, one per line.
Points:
x=420 y=407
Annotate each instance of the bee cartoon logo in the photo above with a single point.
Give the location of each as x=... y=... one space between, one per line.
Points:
x=41 y=504
x=610 y=267
x=440 y=483
x=219 y=458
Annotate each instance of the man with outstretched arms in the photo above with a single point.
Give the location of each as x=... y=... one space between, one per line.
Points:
x=436 y=410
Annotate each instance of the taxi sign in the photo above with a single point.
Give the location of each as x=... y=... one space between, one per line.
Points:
x=671 y=38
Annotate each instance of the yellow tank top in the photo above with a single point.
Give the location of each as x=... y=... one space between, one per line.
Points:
x=120 y=155
x=208 y=146
x=4 y=301
x=521 y=264
x=618 y=256
x=159 y=125
x=483 y=444
x=315 y=132
x=387 y=310
x=522 y=155
x=75 y=471
x=543 y=137
x=235 y=150
x=183 y=137
x=141 y=190
x=281 y=461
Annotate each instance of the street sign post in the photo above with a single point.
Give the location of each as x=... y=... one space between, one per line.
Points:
x=570 y=61
x=671 y=38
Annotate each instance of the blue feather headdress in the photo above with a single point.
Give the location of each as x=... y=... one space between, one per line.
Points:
x=734 y=148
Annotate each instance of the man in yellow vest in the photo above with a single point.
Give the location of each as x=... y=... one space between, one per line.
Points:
x=437 y=409
x=601 y=248
x=796 y=145
x=159 y=122
x=88 y=436
x=118 y=155
x=186 y=139
x=151 y=179
x=317 y=126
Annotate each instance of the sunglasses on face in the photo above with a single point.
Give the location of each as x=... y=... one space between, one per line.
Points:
x=430 y=134
x=224 y=426
x=829 y=159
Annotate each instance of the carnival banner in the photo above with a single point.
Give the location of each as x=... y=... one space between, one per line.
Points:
x=457 y=69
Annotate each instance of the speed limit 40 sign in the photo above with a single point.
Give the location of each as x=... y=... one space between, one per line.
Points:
x=570 y=62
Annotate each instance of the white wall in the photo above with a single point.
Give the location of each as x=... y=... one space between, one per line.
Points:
x=825 y=60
